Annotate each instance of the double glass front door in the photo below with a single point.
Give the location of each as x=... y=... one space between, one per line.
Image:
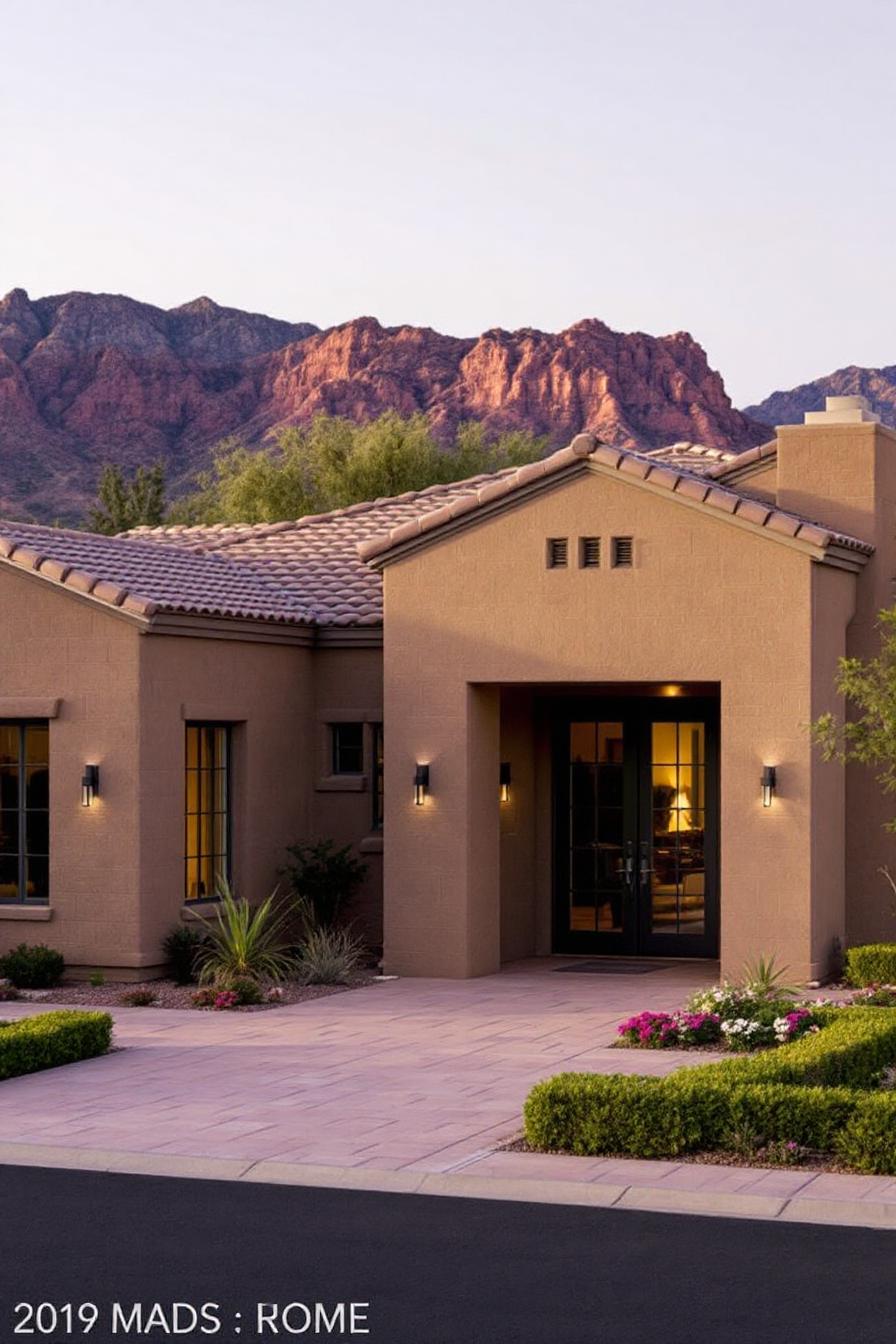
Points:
x=636 y=827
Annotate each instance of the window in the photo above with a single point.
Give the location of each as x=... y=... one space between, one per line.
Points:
x=589 y=552
x=377 y=776
x=25 y=812
x=557 y=552
x=348 y=748
x=623 y=552
x=207 y=809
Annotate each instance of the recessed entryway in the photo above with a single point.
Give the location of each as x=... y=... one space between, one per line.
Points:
x=636 y=826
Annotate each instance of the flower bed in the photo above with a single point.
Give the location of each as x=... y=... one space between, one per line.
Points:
x=724 y=1017
x=818 y=1092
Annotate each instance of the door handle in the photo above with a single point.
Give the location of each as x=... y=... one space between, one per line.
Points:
x=629 y=865
x=645 y=869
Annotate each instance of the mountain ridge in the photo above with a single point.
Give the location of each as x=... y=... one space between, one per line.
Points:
x=89 y=378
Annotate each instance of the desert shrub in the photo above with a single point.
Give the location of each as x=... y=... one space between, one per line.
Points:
x=181 y=949
x=8 y=991
x=96 y=979
x=32 y=966
x=867 y=1141
x=138 y=998
x=50 y=1039
x=872 y=964
x=328 y=956
x=248 y=991
x=244 y=942
x=323 y=878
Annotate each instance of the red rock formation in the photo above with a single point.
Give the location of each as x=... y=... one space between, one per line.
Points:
x=86 y=379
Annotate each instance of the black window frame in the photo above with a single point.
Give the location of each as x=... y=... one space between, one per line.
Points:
x=337 y=765
x=217 y=872
x=22 y=811
x=376 y=776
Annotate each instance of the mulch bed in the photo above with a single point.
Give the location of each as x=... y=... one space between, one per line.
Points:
x=169 y=995
x=813 y=1162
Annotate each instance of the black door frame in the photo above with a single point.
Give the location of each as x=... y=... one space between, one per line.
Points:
x=636 y=713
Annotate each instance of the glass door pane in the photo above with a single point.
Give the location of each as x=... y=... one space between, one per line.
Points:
x=595 y=828
x=677 y=831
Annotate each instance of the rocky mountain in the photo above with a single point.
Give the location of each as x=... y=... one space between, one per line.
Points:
x=787 y=408
x=92 y=378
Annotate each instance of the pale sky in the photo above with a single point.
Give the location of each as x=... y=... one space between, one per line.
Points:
x=716 y=166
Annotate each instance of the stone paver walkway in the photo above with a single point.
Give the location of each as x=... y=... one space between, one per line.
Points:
x=406 y=1085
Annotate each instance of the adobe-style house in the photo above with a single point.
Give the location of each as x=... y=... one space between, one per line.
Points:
x=562 y=708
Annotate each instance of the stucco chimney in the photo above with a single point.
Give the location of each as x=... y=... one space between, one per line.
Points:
x=843 y=411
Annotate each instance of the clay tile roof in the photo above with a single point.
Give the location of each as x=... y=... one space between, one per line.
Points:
x=138 y=576
x=315 y=570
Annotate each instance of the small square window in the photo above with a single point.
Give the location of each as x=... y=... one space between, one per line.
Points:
x=348 y=748
x=589 y=552
x=557 y=552
x=623 y=552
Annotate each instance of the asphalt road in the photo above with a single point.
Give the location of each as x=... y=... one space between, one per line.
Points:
x=433 y=1270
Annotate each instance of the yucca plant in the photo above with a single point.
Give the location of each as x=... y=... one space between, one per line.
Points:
x=328 y=956
x=244 y=941
x=763 y=977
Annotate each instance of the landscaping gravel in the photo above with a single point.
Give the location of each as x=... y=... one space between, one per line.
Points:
x=169 y=995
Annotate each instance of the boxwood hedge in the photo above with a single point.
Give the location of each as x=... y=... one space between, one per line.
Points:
x=872 y=964
x=48 y=1039
x=810 y=1092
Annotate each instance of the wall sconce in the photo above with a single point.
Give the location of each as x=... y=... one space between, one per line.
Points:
x=504 y=780
x=769 y=783
x=90 y=784
x=421 y=783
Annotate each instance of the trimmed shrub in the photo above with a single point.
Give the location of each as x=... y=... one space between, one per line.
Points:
x=34 y=966
x=867 y=1141
x=181 y=948
x=854 y=1046
x=872 y=964
x=50 y=1039
x=805 y=1092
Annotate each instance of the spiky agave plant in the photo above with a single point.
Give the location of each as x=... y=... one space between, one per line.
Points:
x=763 y=977
x=244 y=941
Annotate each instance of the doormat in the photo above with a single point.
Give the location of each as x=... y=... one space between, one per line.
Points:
x=615 y=967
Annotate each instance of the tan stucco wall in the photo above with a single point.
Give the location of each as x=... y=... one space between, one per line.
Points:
x=845 y=475
x=706 y=601
x=56 y=646
x=348 y=686
x=116 y=869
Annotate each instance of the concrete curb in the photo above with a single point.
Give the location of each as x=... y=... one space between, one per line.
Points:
x=591 y=1194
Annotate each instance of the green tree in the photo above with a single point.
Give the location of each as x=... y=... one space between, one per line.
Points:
x=123 y=504
x=333 y=462
x=868 y=735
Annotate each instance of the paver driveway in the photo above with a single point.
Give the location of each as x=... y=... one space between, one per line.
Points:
x=420 y=1074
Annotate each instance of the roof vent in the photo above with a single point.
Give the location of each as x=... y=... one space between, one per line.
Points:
x=843 y=411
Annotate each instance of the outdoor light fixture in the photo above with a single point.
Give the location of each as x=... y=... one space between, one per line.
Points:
x=768 y=781
x=505 y=782
x=421 y=783
x=90 y=784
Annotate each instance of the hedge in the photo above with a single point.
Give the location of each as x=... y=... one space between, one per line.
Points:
x=872 y=964
x=808 y=1092
x=49 y=1039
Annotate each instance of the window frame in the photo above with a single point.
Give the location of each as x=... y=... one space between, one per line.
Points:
x=336 y=769
x=22 y=855
x=227 y=874
x=377 y=794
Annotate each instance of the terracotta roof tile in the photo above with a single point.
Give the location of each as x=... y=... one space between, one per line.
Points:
x=314 y=570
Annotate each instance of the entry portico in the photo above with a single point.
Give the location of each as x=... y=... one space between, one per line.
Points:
x=636 y=701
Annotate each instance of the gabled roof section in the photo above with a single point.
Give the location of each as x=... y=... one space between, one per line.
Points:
x=316 y=557
x=695 y=457
x=587 y=453
x=141 y=580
